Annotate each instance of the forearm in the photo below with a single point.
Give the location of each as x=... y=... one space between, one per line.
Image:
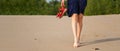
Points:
x=62 y=0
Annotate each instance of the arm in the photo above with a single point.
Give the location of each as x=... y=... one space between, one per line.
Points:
x=62 y=3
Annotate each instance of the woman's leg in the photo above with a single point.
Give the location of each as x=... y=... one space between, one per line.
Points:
x=79 y=26
x=74 y=28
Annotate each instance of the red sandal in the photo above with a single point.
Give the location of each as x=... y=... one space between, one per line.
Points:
x=61 y=12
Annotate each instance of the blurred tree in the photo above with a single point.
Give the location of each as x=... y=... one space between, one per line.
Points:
x=41 y=7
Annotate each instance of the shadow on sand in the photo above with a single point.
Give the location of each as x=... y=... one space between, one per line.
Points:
x=100 y=41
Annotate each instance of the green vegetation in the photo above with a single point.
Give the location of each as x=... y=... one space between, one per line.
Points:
x=28 y=7
x=41 y=7
x=102 y=7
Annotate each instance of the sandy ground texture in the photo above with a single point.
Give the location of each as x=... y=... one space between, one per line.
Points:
x=46 y=33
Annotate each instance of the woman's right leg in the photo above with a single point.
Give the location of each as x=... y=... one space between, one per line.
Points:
x=74 y=28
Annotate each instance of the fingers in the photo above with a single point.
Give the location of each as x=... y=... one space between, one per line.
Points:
x=62 y=4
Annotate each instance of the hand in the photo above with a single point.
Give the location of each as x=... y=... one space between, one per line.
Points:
x=62 y=3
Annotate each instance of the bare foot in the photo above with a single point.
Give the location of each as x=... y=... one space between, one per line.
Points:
x=76 y=45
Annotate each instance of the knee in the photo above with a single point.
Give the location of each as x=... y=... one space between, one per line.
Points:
x=80 y=16
x=75 y=18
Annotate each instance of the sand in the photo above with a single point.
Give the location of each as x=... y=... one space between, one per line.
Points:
x=47 y=33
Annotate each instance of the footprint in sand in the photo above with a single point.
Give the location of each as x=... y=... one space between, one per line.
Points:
x=96 y=49
x=36 y=36
x=100 y=36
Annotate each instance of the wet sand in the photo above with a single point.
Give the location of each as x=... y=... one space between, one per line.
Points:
x=47 y=33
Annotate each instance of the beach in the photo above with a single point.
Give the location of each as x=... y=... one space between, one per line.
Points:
x=47 y=33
